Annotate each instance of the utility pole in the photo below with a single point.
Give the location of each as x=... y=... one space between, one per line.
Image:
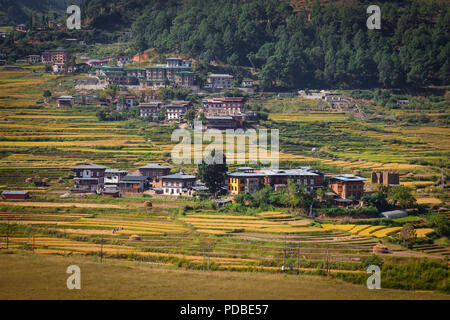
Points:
x=326 y=260
x=7 y=235
x=298 y=257
x=442 y=179
x=284 y=254
x=101 y=250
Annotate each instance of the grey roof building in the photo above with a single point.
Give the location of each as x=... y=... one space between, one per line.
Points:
x=394 y=214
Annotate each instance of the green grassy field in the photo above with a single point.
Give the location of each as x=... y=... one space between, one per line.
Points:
x=31 y=276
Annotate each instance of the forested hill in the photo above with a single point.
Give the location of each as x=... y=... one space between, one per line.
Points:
x=13 y=12
x=312 y=46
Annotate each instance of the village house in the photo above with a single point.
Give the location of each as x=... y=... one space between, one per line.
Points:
x=150 y=109
x=174 y=73
x=162 y=76
x=219 y=81
x=113 y=177
x=387 y=178
x=154 y=172
x=88 y=177
x=177 y=62
x=58 y=67
x=33 y=58
x=22 y=28
x=247 y=83
x=225 y=122
x=123 y=101
x=178 y=183
x=224 y=106
x=176 y=110
x=4 y=34
x=57 y=55
x=15 y=195
x=133 y=183
x=250 y=180
x=347 y=185
x=123 y=60
x=64 y=101
x=93 y=62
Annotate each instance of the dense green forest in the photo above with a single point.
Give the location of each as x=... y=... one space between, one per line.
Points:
x=13 y=12
x=316 y=45
x=321 y=46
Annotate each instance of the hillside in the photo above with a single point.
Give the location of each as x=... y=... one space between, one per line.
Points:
x=20 y=11
x=325 y=45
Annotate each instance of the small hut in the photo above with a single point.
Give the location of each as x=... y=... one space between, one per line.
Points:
x=380 y=249
x=15 y=195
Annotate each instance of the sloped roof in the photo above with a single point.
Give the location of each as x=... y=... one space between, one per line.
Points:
x=89 y=166
x=272 y=172
x=348 y=178
x=15 y=192
x=394 y=214
x=155 y=166
x=115 y=171
x=134 y=177
x=179 y=175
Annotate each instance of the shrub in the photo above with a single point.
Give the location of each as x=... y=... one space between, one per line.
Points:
x=372 y=260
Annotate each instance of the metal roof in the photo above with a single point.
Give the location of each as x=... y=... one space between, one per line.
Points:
x=220 y=75
x=272 y=172
x=134 y=177
x=115 y=171
x=348 y=177
x=179 y=175
x=394 y=214
x=219 y=118
x=155 y=166
x=89 y=166
x=15 y=192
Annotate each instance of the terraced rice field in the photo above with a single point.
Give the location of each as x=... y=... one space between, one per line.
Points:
x=374 y=231
x=127 y=226
x=244 y=223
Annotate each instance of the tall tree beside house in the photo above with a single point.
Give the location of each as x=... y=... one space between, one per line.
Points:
x=402 y=196
x=378 y=199
x=121 y=100
x=296 y=196
x=213 y=175
x=47 y=94
x=190 y=115
x=162 y=114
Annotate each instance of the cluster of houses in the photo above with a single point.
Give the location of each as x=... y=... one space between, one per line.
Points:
x=176 y=71
x=156 y=178
x=153 y=177
x=220 y=113
x=174 y=111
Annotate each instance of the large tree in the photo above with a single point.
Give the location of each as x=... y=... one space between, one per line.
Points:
x=213 y=174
